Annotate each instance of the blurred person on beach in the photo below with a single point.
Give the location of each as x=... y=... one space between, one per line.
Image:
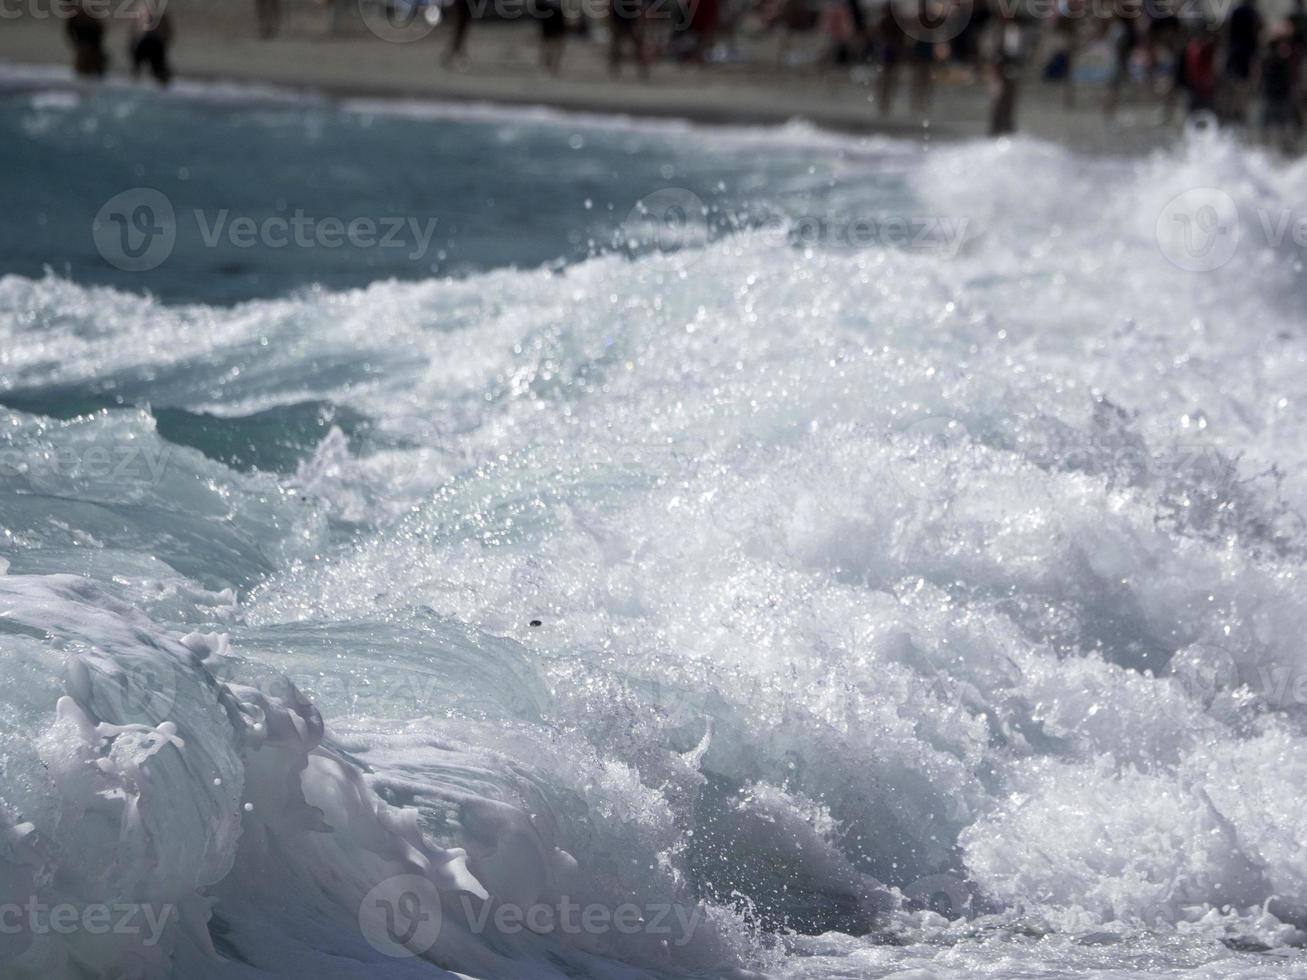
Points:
x=794 y=19
x=965 y=48
x=627 y=28
x=926 y=20
x=1196 y=74
x=1163 y=47
x=891 y=47
x=151 y=36
x=1297 y=21
x=553 y=34
x=705 y=16
x=1278 y=81
x=840 y=33
x=1066 y=34
x=1162 y=36
x=1123 y=37
x=268 y=13
x=1007 y=59
x=460 y=15
x=85 y=33
x=1242 y=41
x=858 y=17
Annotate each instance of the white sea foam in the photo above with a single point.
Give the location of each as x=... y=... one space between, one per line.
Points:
x=951 y=600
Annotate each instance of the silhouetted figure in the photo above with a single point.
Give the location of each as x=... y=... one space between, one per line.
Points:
x=553 y=34
x=1277 y=76
x=1007 y=59
x=460 y=14
x=1243 y=37
x=857 y=17
x=1061 y=67
x=269 y=17
x=1196 y=70
x=627 y=29
x=1298 y=26
x=1298 y=20
x=892 y=46
x=151 y=36
x=85 y=33
x=923 y=58
x=705 y=17
x=1123 y=37
x=838 y=29
x=1163 y=38
x=971 y=32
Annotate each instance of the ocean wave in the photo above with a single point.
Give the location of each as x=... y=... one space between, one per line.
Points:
x=832 y=598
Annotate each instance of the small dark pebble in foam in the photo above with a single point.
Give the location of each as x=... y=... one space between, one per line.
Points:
x=536 y=622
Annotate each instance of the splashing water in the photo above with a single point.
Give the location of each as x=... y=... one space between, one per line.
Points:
x=885 y=566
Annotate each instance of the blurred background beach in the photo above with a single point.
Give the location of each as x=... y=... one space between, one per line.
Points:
x=878 y=551
x=755 y=71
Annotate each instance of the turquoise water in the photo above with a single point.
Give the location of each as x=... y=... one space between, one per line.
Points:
x=734 y=553
x=480 y=194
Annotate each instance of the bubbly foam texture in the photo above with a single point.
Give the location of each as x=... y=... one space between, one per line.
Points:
x=881 y=592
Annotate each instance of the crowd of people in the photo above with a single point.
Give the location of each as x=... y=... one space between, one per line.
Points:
x=149 y=39
x=1245 y=69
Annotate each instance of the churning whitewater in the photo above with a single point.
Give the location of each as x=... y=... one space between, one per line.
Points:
x=781 y=600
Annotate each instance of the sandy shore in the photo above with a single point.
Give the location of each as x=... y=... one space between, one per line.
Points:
x=218 y=41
